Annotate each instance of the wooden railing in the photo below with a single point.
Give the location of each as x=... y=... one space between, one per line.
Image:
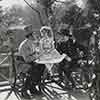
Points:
x=6 y=63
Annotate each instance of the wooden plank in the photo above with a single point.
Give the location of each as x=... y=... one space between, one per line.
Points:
x=5 y=65
x=4 y=90
x=4 y=83
x=8 y=54
x=4 y=60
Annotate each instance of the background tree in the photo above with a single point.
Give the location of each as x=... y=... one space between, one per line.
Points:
x=53 y=10
x=9 y=18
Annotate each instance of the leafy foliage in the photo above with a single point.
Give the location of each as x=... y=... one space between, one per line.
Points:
x=8 y=18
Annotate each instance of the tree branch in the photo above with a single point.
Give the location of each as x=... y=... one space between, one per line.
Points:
x=39 y=15
x=59 y=1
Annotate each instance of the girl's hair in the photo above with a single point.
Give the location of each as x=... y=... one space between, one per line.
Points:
x=48 y=29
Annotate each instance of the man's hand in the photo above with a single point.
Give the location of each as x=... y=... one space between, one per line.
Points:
x=68 y=58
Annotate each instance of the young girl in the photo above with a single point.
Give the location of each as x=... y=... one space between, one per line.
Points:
x=49 y=55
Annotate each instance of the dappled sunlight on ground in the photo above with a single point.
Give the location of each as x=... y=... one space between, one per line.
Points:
x=76 y=96
x=64 y=95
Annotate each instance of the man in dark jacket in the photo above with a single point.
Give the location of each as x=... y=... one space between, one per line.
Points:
x=72 y=48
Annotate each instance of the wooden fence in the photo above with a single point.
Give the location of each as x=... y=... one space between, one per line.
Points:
x=6 y=70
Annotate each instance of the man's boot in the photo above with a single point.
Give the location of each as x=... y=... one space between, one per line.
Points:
x=24 y=93
x=24 y=90
x=33 y=89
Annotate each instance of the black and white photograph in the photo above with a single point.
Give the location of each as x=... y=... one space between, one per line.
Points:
x=49 y=49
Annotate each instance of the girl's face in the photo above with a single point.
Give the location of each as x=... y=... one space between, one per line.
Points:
x=44 y=33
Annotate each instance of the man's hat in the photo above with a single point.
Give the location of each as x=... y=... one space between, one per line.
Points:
x=9 y=31
x=28 y=30
x=65 y=32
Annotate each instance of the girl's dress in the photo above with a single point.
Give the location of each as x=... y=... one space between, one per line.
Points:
x=49 y=55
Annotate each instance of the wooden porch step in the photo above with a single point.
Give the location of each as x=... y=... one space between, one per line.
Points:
x=5 y=83
x=5 y=90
